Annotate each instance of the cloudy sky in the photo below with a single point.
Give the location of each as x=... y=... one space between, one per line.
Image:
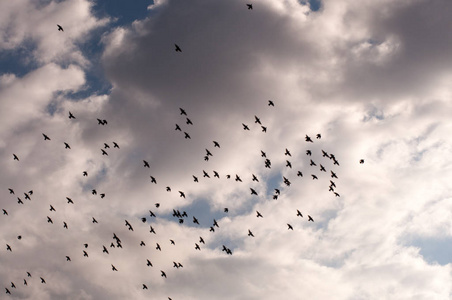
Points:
x=373 y=78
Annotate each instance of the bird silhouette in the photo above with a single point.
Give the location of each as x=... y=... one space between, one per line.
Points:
x=60 y=28
x=46 y=138
x=71 y=116
x=68 y=258
x=146 y=164
x=144 y=287
x=163 y=274
x=182 y=194
x=115 y=145
x=289 y=227
x=187 y=136
x=310 y=218
x=361 y=161
x=15 y=157
x=8 y=248
x=258 y=214
x=308 y=139
x=49 y=220
x=4 y=212
x=66 y=146
x=299 y=214
x=270 y=103
x=250 y=6
x=153 y=180
x=250 y=233
x=197 y=247
x=11 y=191
x=216 y=144
x=148 y=263
x=103 y=152
x=113 y=268
x=178 y=49
x=253 y=191
x=245 y=127
x=42 y=280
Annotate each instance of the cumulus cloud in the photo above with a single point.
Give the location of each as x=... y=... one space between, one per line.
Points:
x=372 y=79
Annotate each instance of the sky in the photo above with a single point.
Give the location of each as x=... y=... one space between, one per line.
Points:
x=372 y=78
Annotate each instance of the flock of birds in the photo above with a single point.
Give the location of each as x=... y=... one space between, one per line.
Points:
x=116 y=242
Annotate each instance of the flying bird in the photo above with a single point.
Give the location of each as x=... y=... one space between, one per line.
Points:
x=146 y=164
x=163 y=274
x=253 y=192
x=308 y=152
x=66 y=146
x=5 y=212
x=15 y=157
x=153 y=180
x=11 y=191
x=289 y=227
x=8 y=248
x=49 y=220
x=314 y=177
x=237 y=178
x=42 y=280
x=69 y=200
x=250 y=233
x=287 y=152
x=85 y=173
x=318 y=136
x=113 y=268
x=308 y=139
x=299 y=214
x=361 y=161
x=46 y=137
x=245 y=127
x=258 y=214
x=189 y=122
x=148 y=263
x=60 y=28
x=178 y=49
x=310 y=218
x=103 y=152
x=182 y=111
x=182 y=194
x=257 y=120
x=115 y=145
x=215 y=144
x=68 y=258
x=71 y=116
x=187 y=136
x=144 y=287
x=250 y=6
x=255 y=178
x=270 y=103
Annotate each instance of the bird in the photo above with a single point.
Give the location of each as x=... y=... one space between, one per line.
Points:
x=289 y=227
x=332 y=183
x=94 y=192
x=287 y=152
x=158 y=247
x=168 y=189
x=201 y=240
x=7 y=291
x=68 y=258
x=361 y=161
x=102 y=195
x=148 y=263
x=336 y=194
x=52 y=208
x=270 y=103
x=163 y=274
x=318 y=136
x=325 y=154
x=333 y=175
x=19 y=201
x=245 y=127
x=215 y=223
x=152 y=230
x=94 y=221
x=299 y=214
x=189 y=122
x=237 y=178
x=215 y=174
x=187 y=136
x=255 y=178
x=310 y=218
x=250 y=6
x=195 y=220
x=314 y=177
x=264 y=129
x=69 y=200
x=46 y=137
x=208 y=152
x=308 y=139
x=142 y=243
x=308 y=152
x=85 y=173
x=257 y=120
x=151 y=213
x=71 y=116
x=25 y=282
x=299 y=174
x=263 y=154
x=312 y=163
x=322 y=168
x=4 y=212
x=106 y=146
x=216 y=144
x=42 y=280
x=113 y=268
x=172 y=242
x=258 y=214
x=178 y=49
x=8 y=248
x=226 y=210
x=49 y=220
x=146 y=164
x=205 y=174
x=115 y=145
x=277 y=191
x=197 y=247
x=103 y=152
x=153 y=180
x=182 y=194
x=85 y=253
x=65 y=225
x=253 y=191
x=144 y=287
x=60 y=28
x=182 y=111
x=250 y=233
x=288 y=164
x=15 y=157
x=66 y=146
x=28 y=274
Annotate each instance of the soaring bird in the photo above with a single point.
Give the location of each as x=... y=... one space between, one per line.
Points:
x=215 y=144
x=314 y=177
x=205 y=174
x=68 y=258
x=153 y=180
x=85 y=173
x=69 y=200
x=201 y=240
x=258 y=214
x=195 y=220
x=49 y=220
x=158 y=247
x=85 y=253
x=299 y=214
x=103 y=152
x=8 y=248
x=287 y=152
x=250 y=233
x=46 y=137
x=71 y=116
x=308 y=139
x=325 y=154
x=270 y=103
x=361 y=161
x=308 y=152
x=42 y=280
x=11 y=191
x=277 y=191
x=245 y=127
x=215 y=174
x=255 y=178
x=322 y=168
x=289 y=226
x=115 y=145
x=215 y=223
x=15 y=157
x=65 y=225
x=288 y=164
x=310 y=218
x=253 y=191
x=146 y=164
x=113 y=268
x=250 y=6
x=187 y=136
x=60 y=28
x=66 y=146
x=312 y=163
x=178 y=49
x=333 y=175
x=144 y=287
x=152 y=230
x=264 y=129
x=197 y=247
x=7 y=291
x=318 y=136
x=299 y=174
x=189 y=122
x=257 y=120
x=94 y=221
x=5 y=212
x=178 y=128
x=106 y=146
x=163 y=274
x=182 y=111
x=52 y=208
x=148 y=263
x=237 y=178
x=182 y=194
x=19 y=201
x=263 y=154
x=142 y=243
